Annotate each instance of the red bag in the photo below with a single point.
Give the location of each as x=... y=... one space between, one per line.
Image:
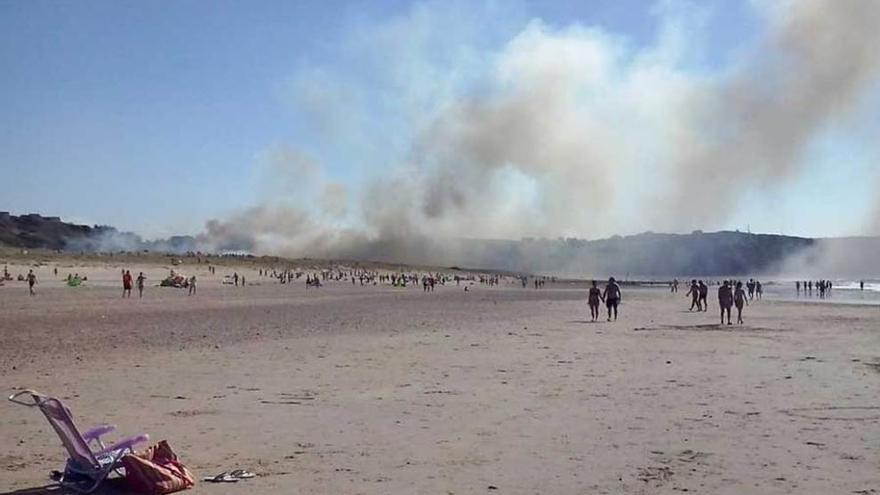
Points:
x=157 y=471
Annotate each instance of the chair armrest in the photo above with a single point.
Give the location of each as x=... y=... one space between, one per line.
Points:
x=126 y=444
x=35 y=398
x=97 y=432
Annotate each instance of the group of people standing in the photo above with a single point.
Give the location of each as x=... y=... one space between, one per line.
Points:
x=755 y=289
x=823 y=287
x=699 y=293
x=127 y=283
x=728 y=296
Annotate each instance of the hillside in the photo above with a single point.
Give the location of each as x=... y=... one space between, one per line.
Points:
x=642 y=255
x=33 y=231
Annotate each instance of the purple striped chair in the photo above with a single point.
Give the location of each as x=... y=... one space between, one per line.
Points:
x=86 y=468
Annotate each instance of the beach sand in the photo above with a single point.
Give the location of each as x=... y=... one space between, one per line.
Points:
x=374 y=390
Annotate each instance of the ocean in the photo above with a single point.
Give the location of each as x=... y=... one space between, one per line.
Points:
x=843 y=292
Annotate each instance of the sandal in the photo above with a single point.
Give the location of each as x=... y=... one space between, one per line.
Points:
x=242 y=474
x=221 y=478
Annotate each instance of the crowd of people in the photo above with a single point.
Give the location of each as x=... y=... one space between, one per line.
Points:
x=823 y=287
x=731 y=293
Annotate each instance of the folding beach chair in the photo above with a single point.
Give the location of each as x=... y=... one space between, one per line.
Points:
x=85 y=468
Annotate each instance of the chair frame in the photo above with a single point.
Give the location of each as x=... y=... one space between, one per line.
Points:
x=86 y=468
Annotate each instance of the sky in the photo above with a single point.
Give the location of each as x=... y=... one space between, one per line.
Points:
x=494 y=119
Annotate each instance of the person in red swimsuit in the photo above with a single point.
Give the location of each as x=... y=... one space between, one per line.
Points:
x=126 y=284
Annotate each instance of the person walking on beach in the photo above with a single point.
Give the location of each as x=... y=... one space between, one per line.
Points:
x=32 y=281
x=739 y=299
x=126 y=283
x=612 y=297
x=704 y=296
x=593 y=300
x=759 y=290
x=140 y=284
x=725 y=300
x=235 y=278
x=192 y=285
x=694 y=292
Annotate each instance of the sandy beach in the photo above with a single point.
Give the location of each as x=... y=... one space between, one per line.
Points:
x=374 y=390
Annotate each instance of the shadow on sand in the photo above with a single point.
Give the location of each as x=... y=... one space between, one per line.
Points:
x=114 y=486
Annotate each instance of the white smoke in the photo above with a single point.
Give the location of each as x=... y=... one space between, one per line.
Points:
x=816 y=64
x=562 y=131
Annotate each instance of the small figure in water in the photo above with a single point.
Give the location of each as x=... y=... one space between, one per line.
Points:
x=593 y=300
x=797 y=287
x=861 y=285
x=725 y=300
x=739 y=299
x=612 y=297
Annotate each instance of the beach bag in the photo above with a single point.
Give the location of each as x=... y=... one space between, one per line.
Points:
x=157 y=471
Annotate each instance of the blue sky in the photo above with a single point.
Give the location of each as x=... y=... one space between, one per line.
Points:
x=157 y=116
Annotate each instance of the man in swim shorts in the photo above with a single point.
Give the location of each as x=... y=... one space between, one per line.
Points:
x=612 y=297
x=725 y=300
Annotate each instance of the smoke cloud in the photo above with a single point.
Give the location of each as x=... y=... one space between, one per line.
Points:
x=815 y=65
x=560 y=132
x=873 y=227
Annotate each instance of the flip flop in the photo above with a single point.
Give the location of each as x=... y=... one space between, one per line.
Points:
x=221 y=478
x=242 y=474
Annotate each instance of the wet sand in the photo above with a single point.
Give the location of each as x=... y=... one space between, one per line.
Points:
x=374 y=390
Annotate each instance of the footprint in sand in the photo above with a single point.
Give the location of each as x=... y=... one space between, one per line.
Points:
x=837 y=413
x=193 y=412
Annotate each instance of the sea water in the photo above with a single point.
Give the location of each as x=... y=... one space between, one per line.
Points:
x=843 y=292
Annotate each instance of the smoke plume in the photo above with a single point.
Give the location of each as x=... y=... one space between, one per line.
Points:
x=560 y=132
x=814 y=66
